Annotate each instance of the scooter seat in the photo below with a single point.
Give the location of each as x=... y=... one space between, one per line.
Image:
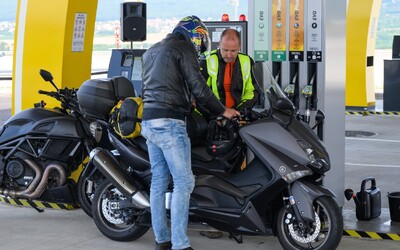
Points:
x=201 y=154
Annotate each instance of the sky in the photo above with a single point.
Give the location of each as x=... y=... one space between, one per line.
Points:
x=110 y=9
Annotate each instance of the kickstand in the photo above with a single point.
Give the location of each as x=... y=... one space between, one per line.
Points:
x=32 y=204
x=237 y=237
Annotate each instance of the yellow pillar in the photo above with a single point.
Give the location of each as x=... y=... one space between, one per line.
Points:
x=44 y=37
x=361 y=28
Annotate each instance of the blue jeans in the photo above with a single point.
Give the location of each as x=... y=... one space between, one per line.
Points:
x=169 y=152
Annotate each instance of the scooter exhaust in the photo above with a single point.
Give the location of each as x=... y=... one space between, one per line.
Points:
x=108 y=166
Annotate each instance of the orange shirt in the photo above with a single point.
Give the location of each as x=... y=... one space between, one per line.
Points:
x=229 y=101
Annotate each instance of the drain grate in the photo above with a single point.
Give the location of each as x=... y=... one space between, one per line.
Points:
x=355 y=133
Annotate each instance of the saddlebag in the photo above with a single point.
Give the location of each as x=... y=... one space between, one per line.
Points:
x=126 y=116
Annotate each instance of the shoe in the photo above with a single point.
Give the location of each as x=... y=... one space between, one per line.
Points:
x=163 y=246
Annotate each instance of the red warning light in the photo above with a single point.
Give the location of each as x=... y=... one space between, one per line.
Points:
x=225 y=18
x=242 y=17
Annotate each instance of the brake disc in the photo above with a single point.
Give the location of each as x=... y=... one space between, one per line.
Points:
x=109 y=208
x=310 y=238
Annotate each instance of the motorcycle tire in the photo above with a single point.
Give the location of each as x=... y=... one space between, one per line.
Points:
x=324 y=233
x=126 y=224
x=85 y=194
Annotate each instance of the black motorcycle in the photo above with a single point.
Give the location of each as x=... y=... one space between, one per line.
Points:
x=279 y=192
x=40 y=150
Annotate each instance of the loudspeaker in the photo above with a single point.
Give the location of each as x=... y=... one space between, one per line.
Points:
x=133 y=21
x=396 y=47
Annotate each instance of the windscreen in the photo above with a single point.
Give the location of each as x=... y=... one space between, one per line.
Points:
x=276 y=97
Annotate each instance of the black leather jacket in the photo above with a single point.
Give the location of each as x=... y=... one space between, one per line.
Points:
x=171 y=76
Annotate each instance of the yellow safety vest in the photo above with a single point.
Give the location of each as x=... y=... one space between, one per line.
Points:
x=245 y=64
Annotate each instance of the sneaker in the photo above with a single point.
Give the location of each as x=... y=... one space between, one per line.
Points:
x=163 y=246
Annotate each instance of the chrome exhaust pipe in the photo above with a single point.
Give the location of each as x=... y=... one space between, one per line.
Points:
x=111 y=170
x=38 y=184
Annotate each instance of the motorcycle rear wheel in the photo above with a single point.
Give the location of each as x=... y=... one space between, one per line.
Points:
x=126 y=224
x=86 y=188
x=324 y=233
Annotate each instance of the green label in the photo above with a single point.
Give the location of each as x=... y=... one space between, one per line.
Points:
x=261 y=55
x=261 y=18
x=278 y=55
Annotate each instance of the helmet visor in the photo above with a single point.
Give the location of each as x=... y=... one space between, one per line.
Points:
x=201 y=40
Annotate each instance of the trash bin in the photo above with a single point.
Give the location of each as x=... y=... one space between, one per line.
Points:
x=394 y=205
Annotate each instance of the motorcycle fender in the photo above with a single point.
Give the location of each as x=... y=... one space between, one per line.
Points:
x=304 y=194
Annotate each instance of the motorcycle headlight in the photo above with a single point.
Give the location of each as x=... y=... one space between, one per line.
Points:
x=96 y=131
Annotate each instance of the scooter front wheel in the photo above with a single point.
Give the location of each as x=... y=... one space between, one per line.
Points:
x=324 y=233
x=115 y=221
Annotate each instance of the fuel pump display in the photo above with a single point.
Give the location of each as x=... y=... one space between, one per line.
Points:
x=127 y=63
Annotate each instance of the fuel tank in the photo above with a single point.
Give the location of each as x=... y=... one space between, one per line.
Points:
x=40 y=121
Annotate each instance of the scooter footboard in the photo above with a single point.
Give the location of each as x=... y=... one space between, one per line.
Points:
x=304 y=193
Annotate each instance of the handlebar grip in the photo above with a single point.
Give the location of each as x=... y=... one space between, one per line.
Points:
x=49 y=93
x=42 y=92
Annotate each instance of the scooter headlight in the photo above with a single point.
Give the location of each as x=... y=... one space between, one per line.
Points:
x=96 y=131
x=320 y=164
x=317 y=161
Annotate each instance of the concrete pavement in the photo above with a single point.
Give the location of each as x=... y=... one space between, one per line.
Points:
x=377 y=156
x=23 y=228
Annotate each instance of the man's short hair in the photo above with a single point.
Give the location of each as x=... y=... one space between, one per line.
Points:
x=231 y=32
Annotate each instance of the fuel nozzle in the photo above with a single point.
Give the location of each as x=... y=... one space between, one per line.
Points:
x=290 y=89
x=307 y=92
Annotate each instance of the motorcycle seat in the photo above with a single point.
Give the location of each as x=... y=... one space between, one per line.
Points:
x=140 y=142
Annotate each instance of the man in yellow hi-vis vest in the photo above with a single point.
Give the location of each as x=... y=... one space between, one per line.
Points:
x=228 y=73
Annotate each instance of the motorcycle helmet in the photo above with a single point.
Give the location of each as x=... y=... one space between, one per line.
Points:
x=193 y=30
x=223 y=138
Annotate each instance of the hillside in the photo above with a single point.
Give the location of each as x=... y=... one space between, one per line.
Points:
x=388 y=24
x=109 y=10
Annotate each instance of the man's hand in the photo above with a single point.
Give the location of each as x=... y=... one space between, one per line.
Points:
x=230 y=113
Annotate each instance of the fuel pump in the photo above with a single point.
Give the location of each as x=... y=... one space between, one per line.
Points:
x=307 y=92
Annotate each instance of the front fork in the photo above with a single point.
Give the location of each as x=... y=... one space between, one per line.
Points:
x=294 y=213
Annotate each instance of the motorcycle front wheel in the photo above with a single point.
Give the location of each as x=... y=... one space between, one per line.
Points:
x=324 y=233
x=115 y=221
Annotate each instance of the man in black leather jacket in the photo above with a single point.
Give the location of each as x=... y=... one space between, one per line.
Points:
x=171 y=77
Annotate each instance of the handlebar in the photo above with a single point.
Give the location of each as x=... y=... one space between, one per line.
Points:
x=246 y=115
x=49 y=93
x=65 y=96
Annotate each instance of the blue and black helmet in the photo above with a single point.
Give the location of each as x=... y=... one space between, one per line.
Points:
x=192 y=29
